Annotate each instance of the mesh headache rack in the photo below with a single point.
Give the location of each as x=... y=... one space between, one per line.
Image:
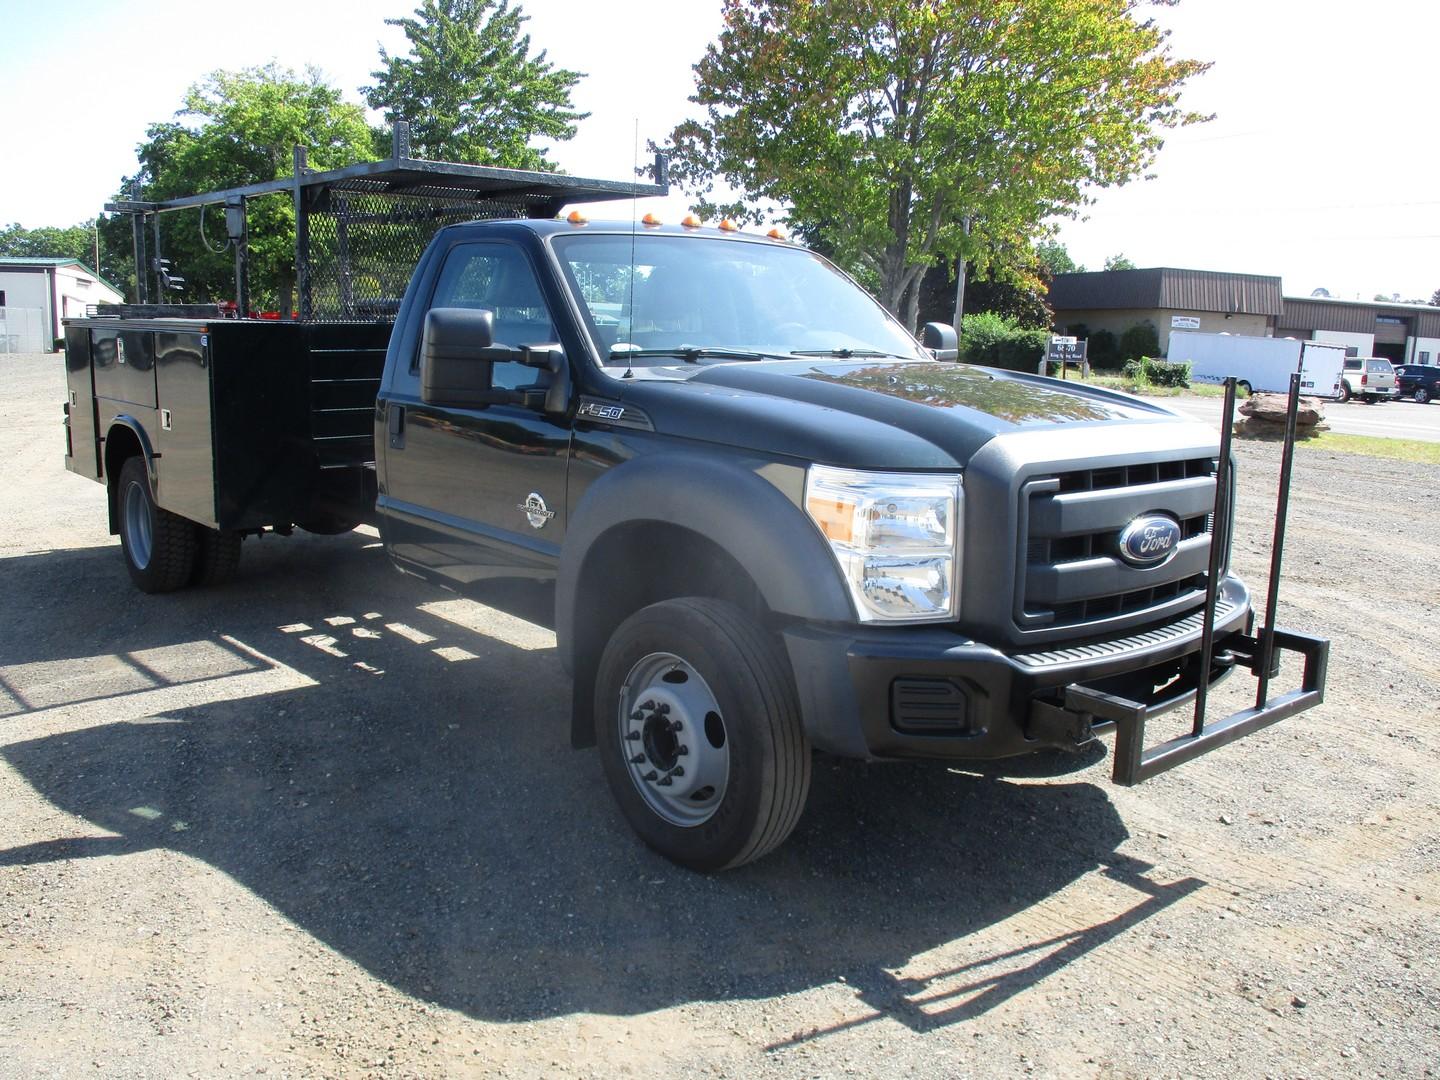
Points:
x=360 y=230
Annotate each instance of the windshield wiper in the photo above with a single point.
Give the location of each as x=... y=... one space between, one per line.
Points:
x=693 y=354
x=847 y=354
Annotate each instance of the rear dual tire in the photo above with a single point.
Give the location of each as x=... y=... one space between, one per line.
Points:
x=159 y=546
x=164 y=551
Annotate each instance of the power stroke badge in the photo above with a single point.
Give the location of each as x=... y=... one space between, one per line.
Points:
x=535 y=510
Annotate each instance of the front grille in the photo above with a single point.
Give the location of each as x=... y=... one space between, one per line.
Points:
x=1072 y=575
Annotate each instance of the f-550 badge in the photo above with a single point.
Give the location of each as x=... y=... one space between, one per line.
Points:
x=597 y=410
x=535 y=510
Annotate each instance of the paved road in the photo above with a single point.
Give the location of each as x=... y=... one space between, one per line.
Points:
x=1391 y=420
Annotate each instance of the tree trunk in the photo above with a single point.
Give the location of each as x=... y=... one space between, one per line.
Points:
x=912 y=304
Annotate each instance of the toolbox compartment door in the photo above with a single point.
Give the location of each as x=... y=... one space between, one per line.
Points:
x=124 y=365
x=82 y=441
x=184 y=435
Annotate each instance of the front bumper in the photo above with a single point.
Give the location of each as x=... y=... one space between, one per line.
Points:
x=921 y=692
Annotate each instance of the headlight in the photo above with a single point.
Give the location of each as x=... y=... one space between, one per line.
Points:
x=896 y=537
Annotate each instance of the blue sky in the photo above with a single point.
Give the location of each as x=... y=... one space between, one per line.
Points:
x=1323 y=165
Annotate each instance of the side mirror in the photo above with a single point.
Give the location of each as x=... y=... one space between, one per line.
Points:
x=458 y=358
x=457 y=361
x=940 y=339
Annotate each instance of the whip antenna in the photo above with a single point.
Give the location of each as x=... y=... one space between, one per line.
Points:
x=634 y=211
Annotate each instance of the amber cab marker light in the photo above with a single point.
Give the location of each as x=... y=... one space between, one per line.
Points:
x=651 y=219
x=729 y=226
x=575 y=217
x=777 y=233
x=690 y=221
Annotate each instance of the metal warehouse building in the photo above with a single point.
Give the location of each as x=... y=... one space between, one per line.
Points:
x=36 y=293
x=1215 y=302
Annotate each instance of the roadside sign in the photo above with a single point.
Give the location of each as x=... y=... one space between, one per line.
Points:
x=1063 y=351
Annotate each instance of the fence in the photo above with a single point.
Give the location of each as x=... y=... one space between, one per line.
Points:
x=22 y=330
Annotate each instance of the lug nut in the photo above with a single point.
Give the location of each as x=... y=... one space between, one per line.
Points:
x=637 y=759
x=651 y=775
x=637 y=715
x=632 y=736
x=665 y=781
x=675 y=725
x=663 y=709
x=647 y=704
x=678 y=770
x=681 y=750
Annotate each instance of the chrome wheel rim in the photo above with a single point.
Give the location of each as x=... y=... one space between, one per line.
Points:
x=674 y=739
x=139 y=526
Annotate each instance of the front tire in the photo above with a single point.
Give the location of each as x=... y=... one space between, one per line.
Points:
x=1345 y=393
x=159 y=546
x=1422 y=395
x=699 y=733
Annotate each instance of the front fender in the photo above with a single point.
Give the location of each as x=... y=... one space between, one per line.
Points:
x=747 y=506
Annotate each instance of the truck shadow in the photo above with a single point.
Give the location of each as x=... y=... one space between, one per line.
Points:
x=422 y=813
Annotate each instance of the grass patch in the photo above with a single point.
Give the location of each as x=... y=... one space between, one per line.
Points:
x=1423 y=453
x=1147 y=389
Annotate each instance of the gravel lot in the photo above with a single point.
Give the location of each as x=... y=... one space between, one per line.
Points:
x=325 y=822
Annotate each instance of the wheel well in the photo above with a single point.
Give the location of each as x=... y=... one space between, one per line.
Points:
x=121 y=444
x=635 y=565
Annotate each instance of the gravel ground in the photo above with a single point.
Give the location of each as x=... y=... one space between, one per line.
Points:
x=325 y=822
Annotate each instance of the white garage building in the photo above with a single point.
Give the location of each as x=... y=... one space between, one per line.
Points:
x=36 y=293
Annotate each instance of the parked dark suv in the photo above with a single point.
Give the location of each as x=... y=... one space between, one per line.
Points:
x=1419 y=381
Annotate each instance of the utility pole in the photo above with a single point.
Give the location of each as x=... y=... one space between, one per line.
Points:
x=960 y=278
x=97 y=245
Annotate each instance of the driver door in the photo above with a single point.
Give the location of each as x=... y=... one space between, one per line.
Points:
x=474 y=494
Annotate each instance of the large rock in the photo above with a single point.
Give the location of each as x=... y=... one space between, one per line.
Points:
x=1270 y=409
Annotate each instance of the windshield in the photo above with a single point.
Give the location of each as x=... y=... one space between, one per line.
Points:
x=701 y=298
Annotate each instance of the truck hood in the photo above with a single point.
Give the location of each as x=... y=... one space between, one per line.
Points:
x=878 y=413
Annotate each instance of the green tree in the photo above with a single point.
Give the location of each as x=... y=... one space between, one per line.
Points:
x=470 y=88
x=1119 y=261
x=889 y=122
x=1055 y=259
x=236 y=128
x=72 y=242
x=1435 y=298
x=1139 y=341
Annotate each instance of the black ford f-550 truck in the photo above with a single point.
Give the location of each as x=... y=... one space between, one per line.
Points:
x=773 y=522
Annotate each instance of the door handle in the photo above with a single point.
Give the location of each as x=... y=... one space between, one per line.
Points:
x=397 y=426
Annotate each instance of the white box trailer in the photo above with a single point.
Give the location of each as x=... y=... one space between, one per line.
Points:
x=1260 y=363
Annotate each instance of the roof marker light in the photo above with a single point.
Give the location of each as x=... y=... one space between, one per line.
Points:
x=651 y=220
x=728 y=225
x=690 y=221
x=575 y=217
x=777 y=233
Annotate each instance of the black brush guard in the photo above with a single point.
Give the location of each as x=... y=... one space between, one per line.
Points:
x=1259 y=653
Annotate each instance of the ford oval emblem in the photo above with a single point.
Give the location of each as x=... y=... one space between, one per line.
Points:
x=1149 y=540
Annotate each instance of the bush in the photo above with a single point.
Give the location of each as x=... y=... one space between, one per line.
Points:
x=1165 y=372
x=1103 y=350
x=1139 y=341
x=996 y=341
